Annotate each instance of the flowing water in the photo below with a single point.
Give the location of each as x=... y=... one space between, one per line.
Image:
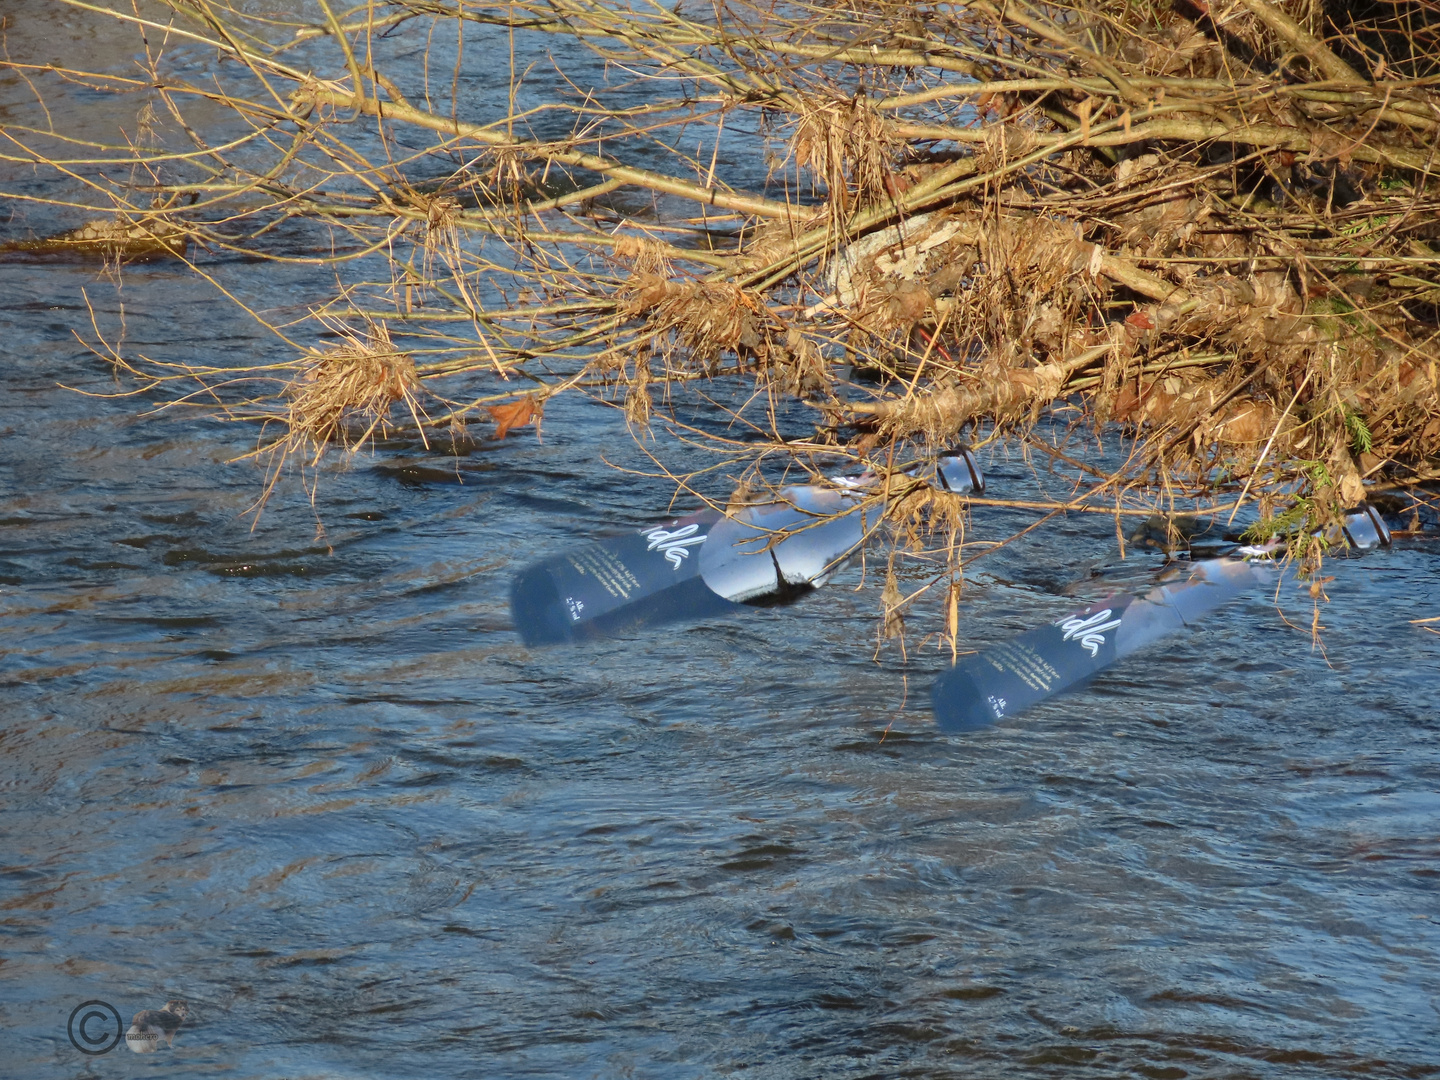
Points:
x=318 y=790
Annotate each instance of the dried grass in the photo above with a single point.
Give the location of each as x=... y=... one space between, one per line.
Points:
x=344 y=393
x=849 y=147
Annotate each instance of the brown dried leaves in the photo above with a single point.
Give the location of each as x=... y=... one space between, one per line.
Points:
x=706 y=318
x=528 y=410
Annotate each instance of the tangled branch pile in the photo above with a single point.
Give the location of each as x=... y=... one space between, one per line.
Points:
x=1212 y=223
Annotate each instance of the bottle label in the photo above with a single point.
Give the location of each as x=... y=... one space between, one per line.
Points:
x=675 y=543
x=602 y=577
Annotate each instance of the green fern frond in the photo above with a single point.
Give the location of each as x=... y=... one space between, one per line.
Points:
x=1360 y=438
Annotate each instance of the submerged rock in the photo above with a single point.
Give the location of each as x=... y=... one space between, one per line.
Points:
x=110 y=241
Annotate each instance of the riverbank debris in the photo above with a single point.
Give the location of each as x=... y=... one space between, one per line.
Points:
x=870 y=230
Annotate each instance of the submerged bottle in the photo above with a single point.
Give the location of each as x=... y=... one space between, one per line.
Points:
x=986 y=687
x=1364 y=528
x=706 y=563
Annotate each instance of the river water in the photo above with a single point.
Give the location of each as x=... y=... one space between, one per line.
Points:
x=318 y=790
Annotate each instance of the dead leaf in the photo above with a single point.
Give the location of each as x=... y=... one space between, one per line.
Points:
x=514 y=415
x=1352 y=488
x=1246 y=422
x=908 y=303
x=649 y=291
x=1126 y=402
